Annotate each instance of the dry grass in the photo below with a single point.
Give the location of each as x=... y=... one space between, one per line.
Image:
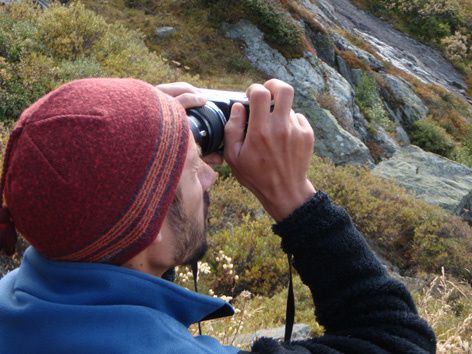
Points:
x=197 y=44
x=301 y=12
x=328 y=102
x=447 y=306
x=359 y=42
x=444 y=303
x=447 y=109
x=469 y=85
x=353 y=61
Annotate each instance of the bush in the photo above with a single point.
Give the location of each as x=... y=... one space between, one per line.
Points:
x=443 y=240
x=40 y=50
x=431 y=137
x=369 y=101
x=256 y=254
x=463 y=154
x=69 y=32
x=409 y=233
x=400 y=228
x=457 y=47
x=280 y=30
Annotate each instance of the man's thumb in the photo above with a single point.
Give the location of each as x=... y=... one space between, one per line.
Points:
x=235 y=131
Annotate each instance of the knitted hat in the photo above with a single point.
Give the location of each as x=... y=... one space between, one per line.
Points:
x=91 y=168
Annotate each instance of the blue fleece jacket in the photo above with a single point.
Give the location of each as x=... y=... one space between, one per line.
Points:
x=99 y=308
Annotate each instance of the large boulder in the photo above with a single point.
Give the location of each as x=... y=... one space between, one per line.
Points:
x=403 y=105
x=433 y=178
x=331 y=140
x=309 y=71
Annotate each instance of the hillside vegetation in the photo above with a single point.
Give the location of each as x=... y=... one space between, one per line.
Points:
x=198 y=47
x=39 y=50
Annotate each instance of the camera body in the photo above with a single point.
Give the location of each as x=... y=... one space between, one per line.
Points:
x=207 y=123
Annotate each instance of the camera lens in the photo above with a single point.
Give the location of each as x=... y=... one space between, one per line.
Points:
x=207 y=124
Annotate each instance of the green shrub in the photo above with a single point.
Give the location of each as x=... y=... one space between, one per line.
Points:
x=402 y=229
x=463 y=154
x=69 y=32
x=15 y=95
x=40 y=50
x=256 y=254
x=16 y=37
x=443 y=240
x=428 y=135
x=409 y=233
x=369 y=101
x=280 y=30
x=230 y=204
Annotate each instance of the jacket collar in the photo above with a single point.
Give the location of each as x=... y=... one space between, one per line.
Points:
x=72 y=283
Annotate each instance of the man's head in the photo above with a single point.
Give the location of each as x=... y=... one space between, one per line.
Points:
x=182 y=238
x=94 y=166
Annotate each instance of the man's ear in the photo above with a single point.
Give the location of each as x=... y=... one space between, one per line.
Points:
x=159 y=238
x=164 y=232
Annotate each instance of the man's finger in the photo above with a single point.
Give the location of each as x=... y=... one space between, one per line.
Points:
x=177 y=88
x=190 y=100
x=259 y=106
x=303 y=121
x=283 y=99
x=213 y=159
x=234 y=132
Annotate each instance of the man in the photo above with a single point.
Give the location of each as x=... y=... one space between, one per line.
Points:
x=105 y=181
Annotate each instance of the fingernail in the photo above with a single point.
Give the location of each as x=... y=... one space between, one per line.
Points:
x=236 y=111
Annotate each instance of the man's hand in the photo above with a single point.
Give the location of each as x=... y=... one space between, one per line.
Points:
x=189 y=97
x=272 y=159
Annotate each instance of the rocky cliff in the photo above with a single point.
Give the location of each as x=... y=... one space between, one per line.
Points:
x=358 y=82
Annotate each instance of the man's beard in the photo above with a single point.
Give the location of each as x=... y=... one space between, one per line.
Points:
x=190 y=241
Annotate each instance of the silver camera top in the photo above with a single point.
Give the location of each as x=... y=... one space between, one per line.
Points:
x=225 y=96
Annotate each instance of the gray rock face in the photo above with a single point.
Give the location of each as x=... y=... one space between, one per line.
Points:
x=344 y=44
x=163 y=32
x=300 y=332
x=433 y=178
x=388 y=145
x=422 y=61
x=344 y=69
x=401 y=136
x=331 y=140
x=403 y=103
x=324 y=47
x=301 y=73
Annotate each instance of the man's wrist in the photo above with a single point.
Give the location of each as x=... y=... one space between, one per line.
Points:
x=286 y=202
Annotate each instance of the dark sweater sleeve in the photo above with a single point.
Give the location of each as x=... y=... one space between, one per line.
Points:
x=362 y=308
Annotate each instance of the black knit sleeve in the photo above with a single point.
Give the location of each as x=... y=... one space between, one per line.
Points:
x=361 y=307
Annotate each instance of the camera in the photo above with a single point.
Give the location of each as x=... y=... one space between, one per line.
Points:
x=207 y=123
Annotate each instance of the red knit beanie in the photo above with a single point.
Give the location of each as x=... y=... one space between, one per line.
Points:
x=91 y=168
